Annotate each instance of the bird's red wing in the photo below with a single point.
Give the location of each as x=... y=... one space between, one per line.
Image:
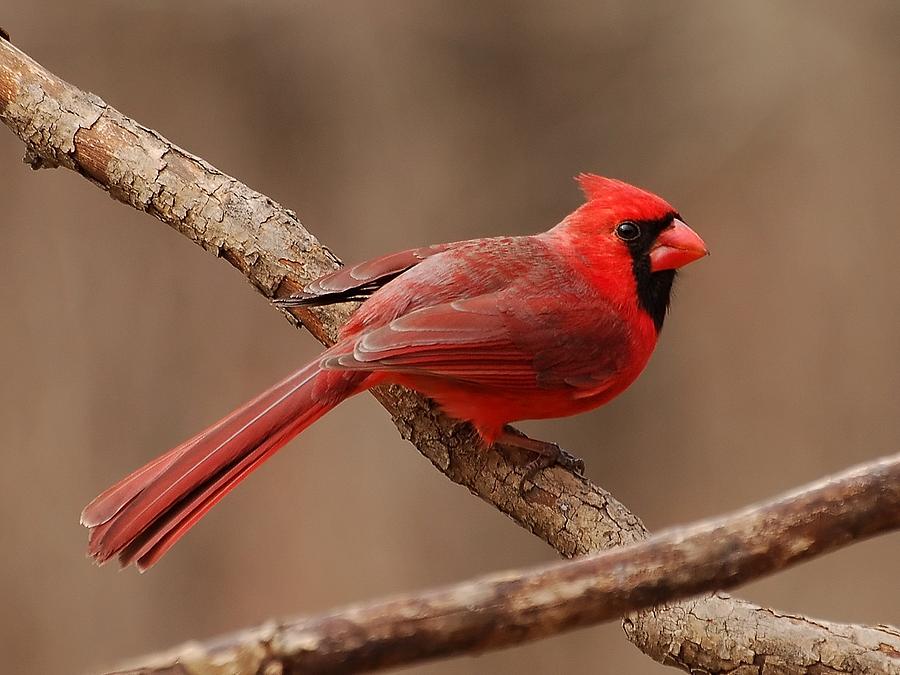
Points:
x=487 y=340
x=358 y=282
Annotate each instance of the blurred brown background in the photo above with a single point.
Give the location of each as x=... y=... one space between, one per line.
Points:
x=771 y=125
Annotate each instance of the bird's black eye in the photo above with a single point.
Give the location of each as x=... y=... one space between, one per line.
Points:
x=628 y=231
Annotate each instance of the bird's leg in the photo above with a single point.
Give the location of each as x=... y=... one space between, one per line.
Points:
x=546 y=455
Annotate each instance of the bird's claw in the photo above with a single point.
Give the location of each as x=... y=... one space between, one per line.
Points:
x=570 y=462
x=555 y=456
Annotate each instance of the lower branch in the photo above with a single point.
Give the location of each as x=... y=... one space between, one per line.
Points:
x=515 y=607
x=64 y=126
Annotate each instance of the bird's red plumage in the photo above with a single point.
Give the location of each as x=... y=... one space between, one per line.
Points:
x=494 y=330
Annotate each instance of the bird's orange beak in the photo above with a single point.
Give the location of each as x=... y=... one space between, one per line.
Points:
x=675 y=247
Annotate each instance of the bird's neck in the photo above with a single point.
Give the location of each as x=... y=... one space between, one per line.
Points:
x=654 y=291
x=641 y=296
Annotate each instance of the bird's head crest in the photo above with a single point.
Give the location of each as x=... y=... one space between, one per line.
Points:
x=628 y=200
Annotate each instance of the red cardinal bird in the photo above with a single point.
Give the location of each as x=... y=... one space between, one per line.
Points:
x=494 y=330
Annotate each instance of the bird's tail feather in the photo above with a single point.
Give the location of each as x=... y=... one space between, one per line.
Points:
x=139 y=518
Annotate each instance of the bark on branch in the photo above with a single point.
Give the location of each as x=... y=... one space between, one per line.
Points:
x=64 y=126
x=514 y=607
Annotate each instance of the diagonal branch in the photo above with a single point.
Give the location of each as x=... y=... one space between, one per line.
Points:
x=64 y=126
x=515 y=607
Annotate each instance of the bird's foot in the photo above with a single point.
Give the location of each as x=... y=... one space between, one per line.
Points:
x=546 y=455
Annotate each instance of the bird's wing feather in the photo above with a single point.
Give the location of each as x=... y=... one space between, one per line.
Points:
x=491 y=340
x=358 y=282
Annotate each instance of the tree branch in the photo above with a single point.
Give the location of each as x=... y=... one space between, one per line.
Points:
x=64 y=126
x=515 y=607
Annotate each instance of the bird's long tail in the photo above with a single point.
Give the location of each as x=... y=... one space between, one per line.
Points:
x=139 y=518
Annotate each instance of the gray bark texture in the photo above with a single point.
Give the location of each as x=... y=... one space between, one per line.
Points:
x=519 y=606
x=64 y=126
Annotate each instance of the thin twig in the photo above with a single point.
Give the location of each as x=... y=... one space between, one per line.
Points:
x=64 y=126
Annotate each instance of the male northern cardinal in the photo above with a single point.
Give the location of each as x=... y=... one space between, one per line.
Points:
x=494 y=330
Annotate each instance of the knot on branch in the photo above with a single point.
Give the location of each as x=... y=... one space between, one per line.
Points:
x=36 y=160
